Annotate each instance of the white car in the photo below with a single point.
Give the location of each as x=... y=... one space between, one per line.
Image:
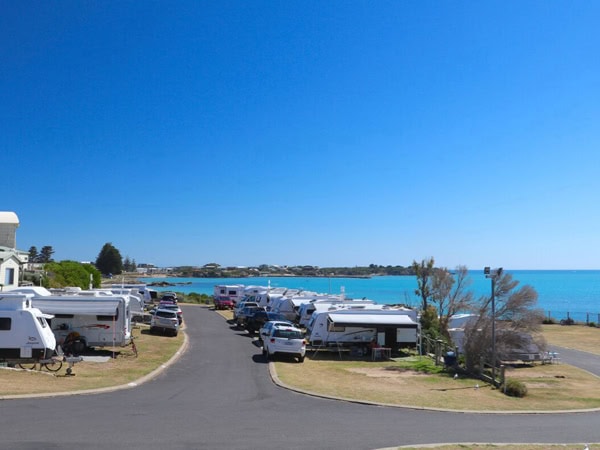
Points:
x=266 y=328
x=284 y=340
x=164 y=320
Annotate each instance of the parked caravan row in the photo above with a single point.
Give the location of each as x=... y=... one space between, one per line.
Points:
x=95 y=318
x=334 y=321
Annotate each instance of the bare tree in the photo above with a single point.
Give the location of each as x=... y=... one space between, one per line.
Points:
x=449 y=293
x=516 y=323
x=423 y=271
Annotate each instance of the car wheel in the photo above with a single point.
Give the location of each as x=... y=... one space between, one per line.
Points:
x=300 y=359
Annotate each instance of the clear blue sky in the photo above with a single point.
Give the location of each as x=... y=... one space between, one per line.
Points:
x=332 y=133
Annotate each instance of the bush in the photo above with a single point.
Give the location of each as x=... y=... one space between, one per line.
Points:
x=592 y=324
x=515 y=388
x=194 y=297
x=567 y=321
x=548 y=321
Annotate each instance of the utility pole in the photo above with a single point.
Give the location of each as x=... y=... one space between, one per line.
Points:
x=493 y=275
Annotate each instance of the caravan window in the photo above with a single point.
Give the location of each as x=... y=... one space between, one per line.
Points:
x=5 y=323
x=63 y=316
x=331 y=327
x=108 y=318
x=42 y=322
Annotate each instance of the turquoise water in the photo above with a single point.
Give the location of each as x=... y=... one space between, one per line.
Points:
x=560 y=291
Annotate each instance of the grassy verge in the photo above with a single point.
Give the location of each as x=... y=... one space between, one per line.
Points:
x=122 y=367
x=550 y=387
x=578 y=337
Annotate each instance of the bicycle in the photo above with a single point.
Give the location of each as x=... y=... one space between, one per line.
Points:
x=51 y=365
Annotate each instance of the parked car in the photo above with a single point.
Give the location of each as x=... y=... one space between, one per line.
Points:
x=173 y=307
x=223 y=303
x=284 y=340
x=266 y=328
x=169 y=297
x=165 y=321
x=256 y=320
x=240 y=320
x=241 y=305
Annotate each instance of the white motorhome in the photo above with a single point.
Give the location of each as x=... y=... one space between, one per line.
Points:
x=98 y=321
x=25 y=335
x=233 y=292
x=350 y=327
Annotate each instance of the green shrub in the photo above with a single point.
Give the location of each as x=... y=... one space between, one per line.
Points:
x=514 y=388
x=592 y=324
x=548 y=321
x=194 y=297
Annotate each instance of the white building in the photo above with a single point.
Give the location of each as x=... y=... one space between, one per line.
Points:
x=11 y=259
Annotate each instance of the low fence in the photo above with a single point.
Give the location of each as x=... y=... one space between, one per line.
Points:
x=587 y=318
x=438 y=350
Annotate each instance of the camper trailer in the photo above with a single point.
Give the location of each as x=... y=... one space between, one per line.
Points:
x=25 y=335
x=306 y=310
x=350 y=327
x=289 y=306
x=98 y=321
x=233 y=292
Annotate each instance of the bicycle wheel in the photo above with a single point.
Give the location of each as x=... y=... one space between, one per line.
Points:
x=27 y=366
x=53 y=366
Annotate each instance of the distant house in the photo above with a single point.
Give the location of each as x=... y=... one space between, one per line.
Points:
x=11 y=259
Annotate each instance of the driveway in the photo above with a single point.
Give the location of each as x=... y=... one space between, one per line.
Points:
x=218 y=395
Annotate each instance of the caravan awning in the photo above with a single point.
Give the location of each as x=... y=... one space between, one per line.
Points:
x=80 y=307
x=372 y=320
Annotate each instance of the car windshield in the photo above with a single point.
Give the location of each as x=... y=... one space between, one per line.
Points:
x=288 y=334
x=276 y=316
x=167 y=314
x=171 y=307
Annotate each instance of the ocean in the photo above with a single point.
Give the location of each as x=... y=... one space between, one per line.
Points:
x=561 y=293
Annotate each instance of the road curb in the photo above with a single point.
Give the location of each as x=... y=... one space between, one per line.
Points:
x=278 y=382
x=130 y=385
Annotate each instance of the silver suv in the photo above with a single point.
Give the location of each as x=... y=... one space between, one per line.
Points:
x=288 y=340
x=165 y=321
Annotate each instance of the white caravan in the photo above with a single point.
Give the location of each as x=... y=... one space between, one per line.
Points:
x=289 y=306
x=306 y=310
x=233 y=292
x=25 y=335
x=350 y=327
x=98 y=321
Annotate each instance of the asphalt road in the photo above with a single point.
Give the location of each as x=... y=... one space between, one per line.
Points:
x=219 y=395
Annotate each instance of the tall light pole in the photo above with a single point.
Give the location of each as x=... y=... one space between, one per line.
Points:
x=493 y=274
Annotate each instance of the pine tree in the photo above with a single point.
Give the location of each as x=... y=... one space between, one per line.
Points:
x=109 y=260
